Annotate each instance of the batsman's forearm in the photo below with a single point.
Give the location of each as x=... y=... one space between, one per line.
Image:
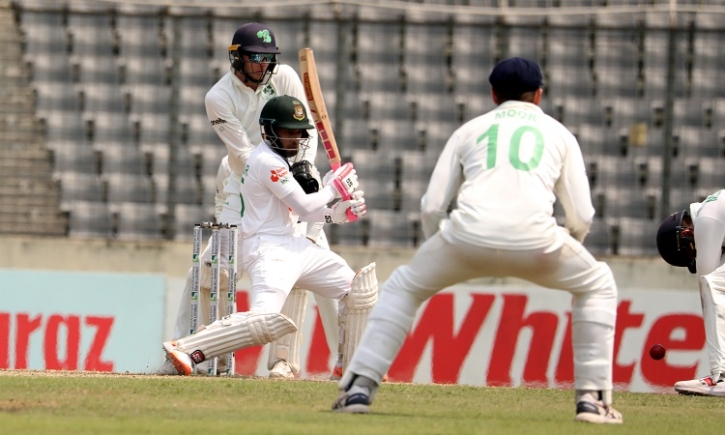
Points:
x=307 y=205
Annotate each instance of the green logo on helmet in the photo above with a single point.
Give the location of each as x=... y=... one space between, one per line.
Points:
x=264 y=36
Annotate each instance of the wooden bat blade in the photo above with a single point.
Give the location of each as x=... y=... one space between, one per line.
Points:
x=316 y=102
x=313 y=92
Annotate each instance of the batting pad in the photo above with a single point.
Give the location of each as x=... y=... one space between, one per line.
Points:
x=234 y=332
x=354 y=314
x=287 y=348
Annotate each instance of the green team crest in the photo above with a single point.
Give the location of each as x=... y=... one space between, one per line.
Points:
x=264 y=36
x=268 y=91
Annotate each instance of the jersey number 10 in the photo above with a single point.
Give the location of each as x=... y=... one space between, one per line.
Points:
x=491 y=135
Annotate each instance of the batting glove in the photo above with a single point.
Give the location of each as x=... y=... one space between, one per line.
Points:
x=356 y=204
x=344 y=180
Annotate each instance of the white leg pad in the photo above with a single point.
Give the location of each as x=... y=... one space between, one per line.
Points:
x=355 y=309
x=235 y=332
x=288 y=347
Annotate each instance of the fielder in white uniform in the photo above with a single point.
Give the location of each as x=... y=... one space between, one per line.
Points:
x=275 y=258
x=695 y=238
x=504 y=168
x=233 y=107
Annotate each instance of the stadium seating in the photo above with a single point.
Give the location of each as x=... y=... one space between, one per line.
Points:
x=89 y=219
x=186 y=216
x=390 y=229
x=138 y=221
x=379 y=175
x=78 y=186
x=616 y=63
x=121 y=98
x=424 y=55
x=472 y=57
x=379 y=69
x=525 y=38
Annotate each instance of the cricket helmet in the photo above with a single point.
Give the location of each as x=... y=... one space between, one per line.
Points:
x=675 y=245
x=284 y=112
x=257 y=41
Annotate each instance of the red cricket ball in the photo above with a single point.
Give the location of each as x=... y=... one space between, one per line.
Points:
x=657 y=351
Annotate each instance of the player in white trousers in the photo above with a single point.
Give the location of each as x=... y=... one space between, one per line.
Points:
x=271 y=202
x=282 y=368
x=695 y=238
x=504 y=168
x=233 y=106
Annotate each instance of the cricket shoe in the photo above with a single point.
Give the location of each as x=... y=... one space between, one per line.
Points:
x=597 y=412
x=702 y=387
x=180 y=360
x=356 y=400
x=281 y=370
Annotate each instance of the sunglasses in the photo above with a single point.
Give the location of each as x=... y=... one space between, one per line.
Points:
x=261 y=57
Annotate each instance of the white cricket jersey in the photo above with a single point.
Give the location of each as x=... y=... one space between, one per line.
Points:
x=708 y=218
x=504 y=168
x=221 y=177
x=233 y=110
x=265 y=180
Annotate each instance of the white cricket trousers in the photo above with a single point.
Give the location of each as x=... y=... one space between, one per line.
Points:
x=326 y=307
x=439 y=263
x=275 y=264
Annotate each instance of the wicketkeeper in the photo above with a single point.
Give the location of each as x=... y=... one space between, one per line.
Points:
x=694 y=238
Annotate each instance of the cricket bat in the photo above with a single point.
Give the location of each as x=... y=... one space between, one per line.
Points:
x=313 y=92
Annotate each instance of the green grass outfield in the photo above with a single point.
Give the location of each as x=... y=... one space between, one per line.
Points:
x=81 y=403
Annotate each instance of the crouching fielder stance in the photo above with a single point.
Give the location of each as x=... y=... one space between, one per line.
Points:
x=695 y=238
x=506 y=167
x=274 y=257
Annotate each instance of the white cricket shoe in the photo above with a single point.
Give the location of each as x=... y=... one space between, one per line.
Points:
x=180 y=360
x=356 y=400
x=702 y=387
x=281 y=370
x=597 y=412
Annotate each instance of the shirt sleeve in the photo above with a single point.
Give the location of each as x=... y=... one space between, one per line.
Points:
x=572 y=190
x=229 y=128
x=709 y=235
x=310 y=207
x=275 y=175
x=444 y=184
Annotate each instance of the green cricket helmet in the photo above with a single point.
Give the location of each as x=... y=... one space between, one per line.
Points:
x=289 y=113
